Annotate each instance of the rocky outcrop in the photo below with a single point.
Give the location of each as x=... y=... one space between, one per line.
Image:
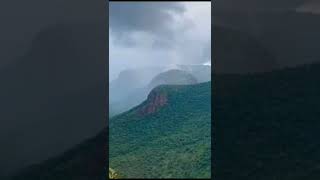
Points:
x=155 y=101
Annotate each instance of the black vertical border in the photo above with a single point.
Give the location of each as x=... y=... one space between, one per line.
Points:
x=213 y=126
x=107 y=90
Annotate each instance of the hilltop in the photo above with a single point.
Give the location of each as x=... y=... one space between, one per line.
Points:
x=167 y=136
x=132 y=96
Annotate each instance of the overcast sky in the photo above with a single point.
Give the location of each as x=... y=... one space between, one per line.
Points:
x=158 y=33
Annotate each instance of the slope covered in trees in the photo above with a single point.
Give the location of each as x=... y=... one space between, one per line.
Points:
x=167 y=136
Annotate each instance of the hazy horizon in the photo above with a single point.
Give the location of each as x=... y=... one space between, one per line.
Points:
x=144 y=34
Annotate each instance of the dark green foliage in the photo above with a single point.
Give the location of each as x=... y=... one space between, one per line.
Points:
x=267 y=125
x=174 y=142
x=136 y=96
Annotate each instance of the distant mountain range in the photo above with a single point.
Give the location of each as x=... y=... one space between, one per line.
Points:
x=132 y=86
x=131 y=79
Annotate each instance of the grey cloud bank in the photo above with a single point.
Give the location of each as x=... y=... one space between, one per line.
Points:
x=154 y=18
x=158 y=33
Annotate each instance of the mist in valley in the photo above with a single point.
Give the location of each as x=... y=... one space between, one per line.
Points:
x=151 y=44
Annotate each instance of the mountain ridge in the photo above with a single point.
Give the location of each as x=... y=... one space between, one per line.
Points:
x=165 y=129
x=138 y=95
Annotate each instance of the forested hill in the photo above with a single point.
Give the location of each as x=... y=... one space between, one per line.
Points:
x=167 y=136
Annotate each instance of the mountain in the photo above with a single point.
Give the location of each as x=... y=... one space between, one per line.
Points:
x=167 y=136
x=267 y=124
x=173 y=77
x=201 y=72
x=129 y=80
x=135 y=96
x=57 y=87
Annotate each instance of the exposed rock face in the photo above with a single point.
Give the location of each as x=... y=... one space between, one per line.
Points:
x=155 y=101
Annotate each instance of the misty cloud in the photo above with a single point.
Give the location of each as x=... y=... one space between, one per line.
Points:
x=131 y=20
x=158 y=34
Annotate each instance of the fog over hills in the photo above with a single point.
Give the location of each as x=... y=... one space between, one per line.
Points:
x=147 y=39
x=133 y=86
x=131 y=79
x=158 y=34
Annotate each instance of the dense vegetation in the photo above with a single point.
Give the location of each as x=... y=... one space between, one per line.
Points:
x=267 y=125
x=136 y=96
x=173 y=142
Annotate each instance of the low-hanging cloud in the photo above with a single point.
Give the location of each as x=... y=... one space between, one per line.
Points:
x=131 y=19
x=158 y=34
